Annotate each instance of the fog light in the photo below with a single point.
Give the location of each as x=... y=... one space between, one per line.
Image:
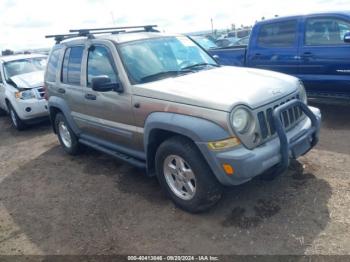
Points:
x=228 y=169
x=28 y=109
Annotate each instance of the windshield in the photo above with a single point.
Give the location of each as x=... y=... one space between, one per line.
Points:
x=154 y=59
x=24 y=66
x=205 y=42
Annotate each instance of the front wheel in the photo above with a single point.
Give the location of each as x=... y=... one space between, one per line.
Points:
x=16 y=121
x=2 y=112
x=66 y=136
x=185 y=176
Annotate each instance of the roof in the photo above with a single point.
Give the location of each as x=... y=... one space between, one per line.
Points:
x=128 y=37
x=345 y=13
x=19 y=57
x=124 y=37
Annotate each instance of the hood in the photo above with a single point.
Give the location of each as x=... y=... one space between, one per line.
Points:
x=29 y=80
x=222 y=88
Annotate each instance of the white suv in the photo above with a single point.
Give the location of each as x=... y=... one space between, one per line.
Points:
x=22 y=89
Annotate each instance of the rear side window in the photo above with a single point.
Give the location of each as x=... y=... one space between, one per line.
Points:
x=281 y=34
x=0 y=75
x=326 y=31
x=52 y=66
x=71 y=68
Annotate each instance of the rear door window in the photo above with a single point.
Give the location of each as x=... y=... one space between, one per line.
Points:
x=71 y=68
x=278 y=34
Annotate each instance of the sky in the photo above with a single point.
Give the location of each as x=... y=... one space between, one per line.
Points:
x=24 y=23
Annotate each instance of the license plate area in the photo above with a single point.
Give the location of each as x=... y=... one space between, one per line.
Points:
x=301 y=147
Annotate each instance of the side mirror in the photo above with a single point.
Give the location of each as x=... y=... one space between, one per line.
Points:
x=217 y=58
x=347 y=37
x=104 y=84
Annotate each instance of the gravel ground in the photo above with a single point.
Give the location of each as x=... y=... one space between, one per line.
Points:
x=52 y=203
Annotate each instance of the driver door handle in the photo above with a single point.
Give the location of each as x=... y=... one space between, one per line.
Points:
x=257 y=56
x=306 y=55
x=90 y=97
x=61 y=90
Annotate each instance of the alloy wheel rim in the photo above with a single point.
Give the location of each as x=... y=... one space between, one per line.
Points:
x=65 y=134
x=179 y=177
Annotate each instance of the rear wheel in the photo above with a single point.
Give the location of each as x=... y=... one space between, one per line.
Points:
x=185 y=176
x=66 y=136
x=16 y=121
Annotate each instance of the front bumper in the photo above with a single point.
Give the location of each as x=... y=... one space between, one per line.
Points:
x=31 y=109
x=274 y=153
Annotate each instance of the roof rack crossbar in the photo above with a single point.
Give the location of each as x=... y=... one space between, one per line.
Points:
x=60 y=38
x=145 y=27
x=107 y=30
x=62 y=35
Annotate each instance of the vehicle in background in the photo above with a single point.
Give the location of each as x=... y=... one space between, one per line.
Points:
x=240 y=33
x=315 y=48
x=204 y=42
x=226 y=42
x=161 y=103
x=22 y=89
x=243 y=41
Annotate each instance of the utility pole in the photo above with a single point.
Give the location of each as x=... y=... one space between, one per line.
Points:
x=212 y=26
x=113 y=21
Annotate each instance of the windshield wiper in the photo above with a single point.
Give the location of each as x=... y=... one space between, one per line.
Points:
x=163 y=74
x=199 y=65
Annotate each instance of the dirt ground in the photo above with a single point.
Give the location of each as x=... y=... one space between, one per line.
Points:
x=52 y=203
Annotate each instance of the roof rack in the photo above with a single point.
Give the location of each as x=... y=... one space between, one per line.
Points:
x=146 y=28
x=60 y=38
x=90 y=32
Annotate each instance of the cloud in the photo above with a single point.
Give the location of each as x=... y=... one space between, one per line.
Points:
x=9 y=3
x=25 y=23
x=188 y=18
x=29 y=22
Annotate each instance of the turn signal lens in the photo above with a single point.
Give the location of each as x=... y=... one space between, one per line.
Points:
x=228 y=169
x=224 y=144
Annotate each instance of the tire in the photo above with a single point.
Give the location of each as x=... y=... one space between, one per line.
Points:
x=189 y=170
x=68 y=140
x=16 y=121
x=2 y=112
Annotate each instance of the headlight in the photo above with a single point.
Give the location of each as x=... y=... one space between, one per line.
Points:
x=241 y=120
x=24 y=95
x=302 y=93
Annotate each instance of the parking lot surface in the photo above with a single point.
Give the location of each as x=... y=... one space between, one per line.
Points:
x=52 y=203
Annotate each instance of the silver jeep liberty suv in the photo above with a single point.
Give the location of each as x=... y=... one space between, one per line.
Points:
x=162 y=103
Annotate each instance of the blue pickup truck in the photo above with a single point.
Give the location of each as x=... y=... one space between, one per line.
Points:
x=315 y=48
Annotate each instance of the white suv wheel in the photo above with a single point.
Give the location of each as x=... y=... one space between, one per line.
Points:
x=13 y=117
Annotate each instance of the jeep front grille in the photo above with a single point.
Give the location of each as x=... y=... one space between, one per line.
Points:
x=289 y=118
